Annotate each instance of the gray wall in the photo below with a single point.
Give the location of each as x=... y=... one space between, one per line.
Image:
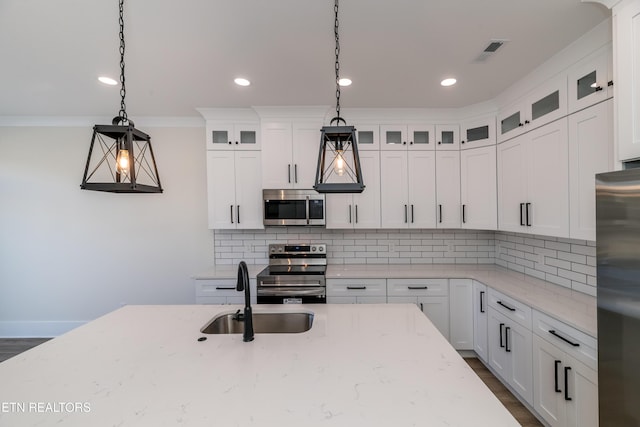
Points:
x=69 y=255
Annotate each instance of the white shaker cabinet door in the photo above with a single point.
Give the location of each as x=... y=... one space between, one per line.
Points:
x=448 y=189
x=421 y=211
x=511 y=185
x=248 y=184
x=221 y=191
x=478 y=191
x=394 y=189
x=366 y=205
x=277 y=155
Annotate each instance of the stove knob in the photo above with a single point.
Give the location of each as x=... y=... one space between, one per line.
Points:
x=313 y=248
x=279 y=249
x=321 y=249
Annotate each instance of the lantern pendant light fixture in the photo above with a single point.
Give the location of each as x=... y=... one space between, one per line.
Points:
x=120 y=157
x=338 y=168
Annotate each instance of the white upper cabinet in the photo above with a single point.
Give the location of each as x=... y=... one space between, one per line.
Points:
x=590 y=80
x=232 y=136
x=543 y=105
x=626 y=36
x=360 y=210
x=408 y=189
x=478 y=191
x=407 y=137
x=290 y=154
x=234 y=191
x=478 y=132
x=367 y=137
x=590 y=152
x=448 y=189
x=447 y=137
x=533 y=182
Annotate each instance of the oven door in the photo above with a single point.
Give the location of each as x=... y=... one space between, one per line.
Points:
x=292 y=295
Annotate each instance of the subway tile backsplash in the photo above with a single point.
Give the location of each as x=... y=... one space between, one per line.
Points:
x=565 y=262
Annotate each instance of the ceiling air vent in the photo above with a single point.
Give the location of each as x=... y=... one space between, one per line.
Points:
x=491 y=48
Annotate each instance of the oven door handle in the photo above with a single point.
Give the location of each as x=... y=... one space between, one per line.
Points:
x=298 y=291
x=269 y=282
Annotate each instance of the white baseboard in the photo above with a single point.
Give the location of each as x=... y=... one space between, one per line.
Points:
x=37 y=329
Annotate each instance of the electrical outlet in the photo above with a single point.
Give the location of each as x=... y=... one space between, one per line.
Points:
x=248 y=247
x=450 y=247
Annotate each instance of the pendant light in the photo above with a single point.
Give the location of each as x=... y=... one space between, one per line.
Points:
x=120 y=157
x=338 y=168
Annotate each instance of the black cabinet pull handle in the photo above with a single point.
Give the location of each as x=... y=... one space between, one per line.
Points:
x=236 y=142
x=356 y=288
x=555 y=369
x=610 y=83
x=506 y=339
x=506 y=306
x=520 y=125
x=501 y=342
x=555 y=334
x=410 y=142
x=566 y=383
x=439 y=142
x=464 y=219
x=295 y=173
x=481 y=302
x=440 y=210
x=349 y=214
x=238 y=213
x=521 y=216
x=225 y=288
x=527 y=209
x=462 y=142
x=422 y=307
x=417 y=287
x=356 y=214
x=230 y=142
x=231 y=206
x=405 y=214
x=598 y=88
x=526 y=122
x=289 y=173
x=411 y=214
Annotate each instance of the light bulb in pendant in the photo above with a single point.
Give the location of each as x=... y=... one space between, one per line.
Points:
x=122 y=161
x=339 y=163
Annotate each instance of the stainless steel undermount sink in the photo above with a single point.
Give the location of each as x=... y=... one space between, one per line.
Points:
x=263 y=323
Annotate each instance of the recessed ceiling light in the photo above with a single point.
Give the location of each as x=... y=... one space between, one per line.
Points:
x=242 y=82
x=344 y=82
x=448 y=82
x=107 y=80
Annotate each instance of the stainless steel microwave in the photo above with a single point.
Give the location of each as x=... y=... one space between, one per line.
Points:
x=293 y=207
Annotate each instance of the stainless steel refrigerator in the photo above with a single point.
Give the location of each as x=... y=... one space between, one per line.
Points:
x=618 y=255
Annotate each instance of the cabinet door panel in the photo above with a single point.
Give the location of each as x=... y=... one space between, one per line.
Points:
x=478 y=190
x=480 y=307
x=448 y=189
x=511 y=185
x=437 y=310
x=582 y=409
x=461 y=314
x=498 y=357
x=248 y=186
x=394 y=189
x=221 y=189
x=421 y=211
x=590 y=152
x=306 y=145
x=339 y=210
x=548 y=379
x=519 y=341
x=277 y=155
x=547 y=157
x=366 y=209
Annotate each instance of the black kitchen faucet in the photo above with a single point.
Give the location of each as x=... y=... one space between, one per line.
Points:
x=243 y=285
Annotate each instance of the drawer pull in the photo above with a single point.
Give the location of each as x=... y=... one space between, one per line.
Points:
x=417 y=287
x=506 y=306
x=481 y=301
x=356 y=288
x=506 y=339
x=555 y=334
x=555 y=370
x=501 y=342
x=225 y=288
x=566 y=383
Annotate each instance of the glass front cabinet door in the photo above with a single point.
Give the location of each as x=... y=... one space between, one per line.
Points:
x=479 y=132
x=230 y=136
x=447 y=137
x=407 y=137
x=590 y=80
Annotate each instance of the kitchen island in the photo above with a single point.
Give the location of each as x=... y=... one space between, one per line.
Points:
x=359 y=365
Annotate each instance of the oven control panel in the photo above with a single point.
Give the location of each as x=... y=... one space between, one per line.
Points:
x=297 y=249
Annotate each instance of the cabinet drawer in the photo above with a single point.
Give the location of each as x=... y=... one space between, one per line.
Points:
x=417 y=287
x=511 y=308
x=570 y=340
x=356 y=287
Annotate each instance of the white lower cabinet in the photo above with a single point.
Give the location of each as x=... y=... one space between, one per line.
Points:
x=222 y=291
x=480 y=316
x=461 y=314
x=564 y=373
x=510 y=343
x=431 y=296
x=356 y=291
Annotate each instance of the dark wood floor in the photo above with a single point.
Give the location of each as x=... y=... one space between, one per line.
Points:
x=10 y=347
x=517 y=409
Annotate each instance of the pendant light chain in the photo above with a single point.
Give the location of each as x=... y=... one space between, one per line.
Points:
x=122 y=114
x=336 y=26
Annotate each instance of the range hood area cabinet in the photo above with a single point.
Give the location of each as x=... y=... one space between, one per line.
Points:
x=234 y=189
x=290 y=154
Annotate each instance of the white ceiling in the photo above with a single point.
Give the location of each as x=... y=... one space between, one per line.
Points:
x=185 y=54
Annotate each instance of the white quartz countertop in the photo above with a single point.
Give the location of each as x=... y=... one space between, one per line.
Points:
x=363 y=365
x=574 y=308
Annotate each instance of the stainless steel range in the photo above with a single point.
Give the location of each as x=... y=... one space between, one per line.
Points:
x=295 y=275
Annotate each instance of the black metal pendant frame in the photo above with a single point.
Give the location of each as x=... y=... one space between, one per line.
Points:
x=111 y=138
x=332 y=140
